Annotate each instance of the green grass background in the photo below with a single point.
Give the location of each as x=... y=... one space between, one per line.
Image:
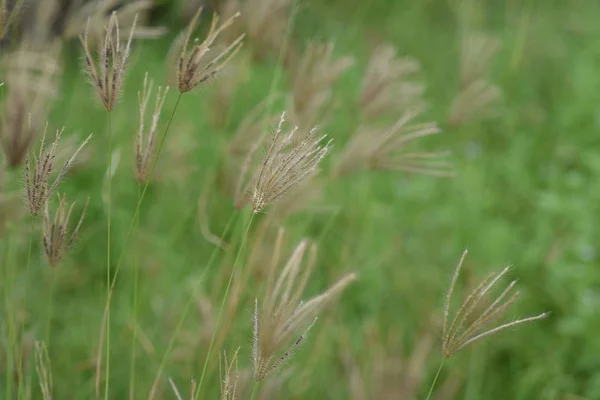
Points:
x=526 y=193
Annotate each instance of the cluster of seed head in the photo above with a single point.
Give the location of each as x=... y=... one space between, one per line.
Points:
x=288 y=161
x=473 y=319
x=108 y=76
x=387 y=86
x=387 y=149
x=38 y=170
x=56 y=238
x=229 y=376
x=144 y=148
x=192 y=70
x=283 y=321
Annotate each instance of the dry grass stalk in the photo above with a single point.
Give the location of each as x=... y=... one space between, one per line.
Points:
x=283 y=318
x=42 y=367
x=191 y=70
x=94 y=16
x=55 y=238
x=287 y=162
x=33 y=83
x=466 y=328
x=478 y=98
x=313 y=82
x=38 y=170
x=386 y=87
x=386 y=150
x=228 y=377
x=114 y=56
x=144 y=152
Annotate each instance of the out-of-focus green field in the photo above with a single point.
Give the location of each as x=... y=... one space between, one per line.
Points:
x=526 y=192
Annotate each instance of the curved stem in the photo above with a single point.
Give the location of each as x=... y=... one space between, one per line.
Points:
x=435 y=379
x=214 y=334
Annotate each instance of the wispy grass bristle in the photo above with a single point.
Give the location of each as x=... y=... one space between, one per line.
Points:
x=44 y=370
x=107 y=78
x=387 y=150
x=228 y=372
x=192 y=70
x=478 y=98
x=465 y=329
x=145 y=138
x=33 y=74
x=313 y=82
x=56 y=238
x=281 y=324
x=38 y=169
x=387 y=87
x=288 y=161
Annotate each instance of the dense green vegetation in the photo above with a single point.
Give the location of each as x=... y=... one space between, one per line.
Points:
x=525 y=192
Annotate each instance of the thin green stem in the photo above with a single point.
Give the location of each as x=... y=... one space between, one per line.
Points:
x=50 y=303
x=255 y=389
x=214 y=334
x=10 y=317
x=108 y=287
x=186 y=309
x=141 y=199
x=136 y=273
x=20 y=362
x=435 y=379
x=112 y=283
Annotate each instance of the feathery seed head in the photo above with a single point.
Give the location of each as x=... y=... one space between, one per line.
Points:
x=288 y=161
x=43 y=369
x=478 y=98
x=283 y=320
x=229 y=378
x=32 y=75
x=477 y=51
x=467 y=327
x=386 y=86
x=144 y=151
x=191 y=69
x=108 y=76
x=94 y=16
x=38 y=169
x=386 y=150
x=314 y=79
x=55 y=238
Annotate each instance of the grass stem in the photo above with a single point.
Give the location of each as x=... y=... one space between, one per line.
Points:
x=108 y=248
x=435 y=379
x=255 y=389
x=225 y=297
x=186 y=309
